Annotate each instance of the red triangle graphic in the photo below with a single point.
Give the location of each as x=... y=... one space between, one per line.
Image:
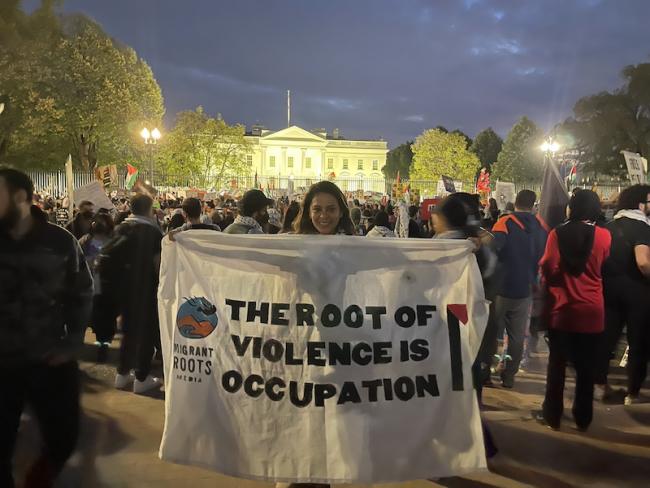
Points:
x=460 y=311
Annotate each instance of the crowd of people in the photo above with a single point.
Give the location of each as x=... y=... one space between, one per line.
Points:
x=580 y=284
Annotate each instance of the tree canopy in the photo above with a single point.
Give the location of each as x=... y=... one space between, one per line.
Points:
x=205 y=146
x=437 y=153
x=70 y=89
x=487 y=146
x=606 y=123
x=399 y=160
x=520 y=159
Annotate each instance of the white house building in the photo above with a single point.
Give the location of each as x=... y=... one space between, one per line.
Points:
x=309 y=156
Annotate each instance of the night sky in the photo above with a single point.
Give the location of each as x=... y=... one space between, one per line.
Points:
x=379 y=68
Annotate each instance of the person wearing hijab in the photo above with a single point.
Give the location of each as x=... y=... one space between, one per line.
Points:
x=575 y=309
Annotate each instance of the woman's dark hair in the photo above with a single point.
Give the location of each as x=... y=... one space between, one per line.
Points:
x=454 y=211
x=176 y=221
x=290 y=215
x=303 y=223
x=584 y=205
x=632 y=196
x=575 y=238
x=381 y=219
x=471 y=201
x=493 y=204
x=102 y=224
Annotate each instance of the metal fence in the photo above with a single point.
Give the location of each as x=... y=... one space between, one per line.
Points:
x=54 y=183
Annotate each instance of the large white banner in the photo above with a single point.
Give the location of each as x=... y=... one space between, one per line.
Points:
x=321 y=358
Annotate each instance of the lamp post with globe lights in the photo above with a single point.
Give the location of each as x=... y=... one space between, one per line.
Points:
x=150 y=138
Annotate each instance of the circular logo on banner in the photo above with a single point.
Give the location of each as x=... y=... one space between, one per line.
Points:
x=196 y=318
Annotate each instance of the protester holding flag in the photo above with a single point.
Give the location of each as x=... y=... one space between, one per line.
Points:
x=627 y=289
x=571 y=271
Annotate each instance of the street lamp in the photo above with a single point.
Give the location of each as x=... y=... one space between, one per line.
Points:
x=150 y=139
x=549 y=146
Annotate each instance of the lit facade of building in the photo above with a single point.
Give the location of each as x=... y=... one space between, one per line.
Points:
x=309 y=156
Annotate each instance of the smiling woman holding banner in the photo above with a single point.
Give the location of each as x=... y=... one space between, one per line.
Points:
x=323 y=212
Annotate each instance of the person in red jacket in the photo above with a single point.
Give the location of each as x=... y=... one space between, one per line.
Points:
x=575 y=308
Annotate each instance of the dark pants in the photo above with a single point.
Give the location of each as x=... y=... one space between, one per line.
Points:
x=511 y=315
x=627 y=305
x=141 y=332
x=53 y=395
x=104 y=318
x=580 y=350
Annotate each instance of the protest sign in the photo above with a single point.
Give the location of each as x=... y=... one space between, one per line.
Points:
x=93 y=192
x=442 y=187
x=321 y=359
x=504 y=193
x=107 y=175
x=636 y=167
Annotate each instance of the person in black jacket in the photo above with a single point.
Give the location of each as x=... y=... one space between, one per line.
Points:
x=138 y=260
x=46 y=294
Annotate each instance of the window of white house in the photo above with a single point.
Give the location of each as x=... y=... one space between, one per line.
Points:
x=249 y=159
x=290 y=162
x=345 y=164
x=307 y=162
x=330 y=163
x=360 y=164
x=375 y=165
x=272 y=161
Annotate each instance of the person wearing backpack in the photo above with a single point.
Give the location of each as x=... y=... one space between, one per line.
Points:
x=131 y=263
x=104 y=307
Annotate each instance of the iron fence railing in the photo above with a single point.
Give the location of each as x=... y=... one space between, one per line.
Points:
x=54 y=183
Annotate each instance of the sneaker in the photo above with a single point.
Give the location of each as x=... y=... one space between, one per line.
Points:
x=122 y=380
x=507 y=382
x=538 y=416
x=632 y=399
x=149 y=383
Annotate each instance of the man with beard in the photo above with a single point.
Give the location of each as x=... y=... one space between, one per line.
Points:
x=253 y=214
x=45 y=303
x=626 y=279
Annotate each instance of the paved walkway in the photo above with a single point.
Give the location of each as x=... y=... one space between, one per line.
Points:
x=121 y=434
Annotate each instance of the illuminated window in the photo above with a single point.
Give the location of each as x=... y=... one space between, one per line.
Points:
x=345 y=164
x=330 y=163
x=360 y=164
x=307 y=162
x=290 y=162
x=272 y=161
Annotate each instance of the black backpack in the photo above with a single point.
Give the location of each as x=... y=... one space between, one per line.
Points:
x=114 y=262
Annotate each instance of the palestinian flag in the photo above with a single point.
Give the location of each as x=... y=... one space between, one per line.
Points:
x=131 y=176
x=554 y=197
x=573 y=174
